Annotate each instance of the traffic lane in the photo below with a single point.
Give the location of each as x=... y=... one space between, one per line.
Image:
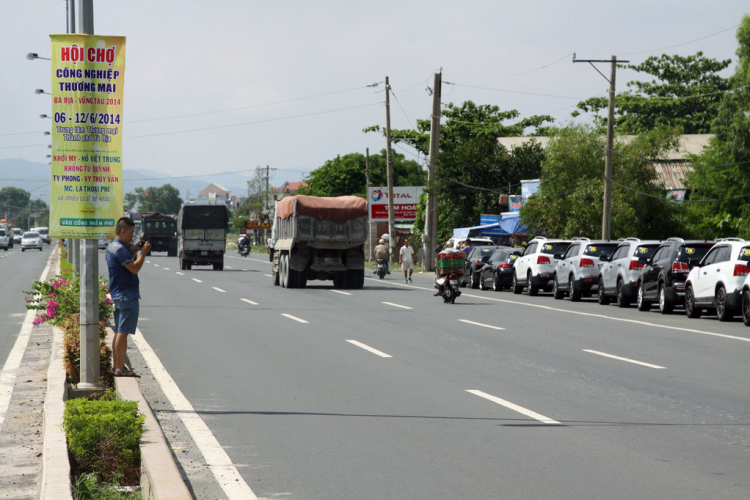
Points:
x=322 y=335
x=294 y=388
x=19 y=270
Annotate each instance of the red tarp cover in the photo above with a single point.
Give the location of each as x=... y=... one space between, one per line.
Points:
x=340 y=208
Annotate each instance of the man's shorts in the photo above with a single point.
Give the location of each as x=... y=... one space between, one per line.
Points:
x=406 y=265
x=126 y=315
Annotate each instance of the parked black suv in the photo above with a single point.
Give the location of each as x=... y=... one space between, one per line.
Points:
x=662 y=279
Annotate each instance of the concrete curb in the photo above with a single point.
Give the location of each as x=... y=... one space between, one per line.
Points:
x=160 y=477
x=55 y=464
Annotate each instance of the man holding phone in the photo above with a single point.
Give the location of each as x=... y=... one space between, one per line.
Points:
x=123 y=266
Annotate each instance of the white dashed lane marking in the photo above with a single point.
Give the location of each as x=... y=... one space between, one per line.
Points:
x=514 y=407
x=649 y=365
x=371 y=349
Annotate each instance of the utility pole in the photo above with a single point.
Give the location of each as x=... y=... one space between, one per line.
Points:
x=431 y=217
x=89 y=302
x=267 y=204
x=608 y=166
x=367 y=195
x=391 y=221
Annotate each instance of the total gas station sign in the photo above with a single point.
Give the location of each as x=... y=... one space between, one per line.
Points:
x=405 y=201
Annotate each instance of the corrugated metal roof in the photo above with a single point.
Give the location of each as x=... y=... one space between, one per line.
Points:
x=671 y=174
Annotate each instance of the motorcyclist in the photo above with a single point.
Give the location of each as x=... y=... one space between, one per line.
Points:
x=381 y=252
x=242 y=243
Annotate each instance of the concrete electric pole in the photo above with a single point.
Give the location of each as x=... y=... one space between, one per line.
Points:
x=391 y=218
x=431 y=215
x=608 y=166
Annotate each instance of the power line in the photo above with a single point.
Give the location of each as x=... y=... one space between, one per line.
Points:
x=516 y=91
x=683 y=201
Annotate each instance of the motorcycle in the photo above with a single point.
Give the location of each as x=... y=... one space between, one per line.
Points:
x=449 y=287
x=381 y=269
x=243 y=246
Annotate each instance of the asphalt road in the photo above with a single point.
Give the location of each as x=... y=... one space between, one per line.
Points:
x=18 y=270
x=386 y=392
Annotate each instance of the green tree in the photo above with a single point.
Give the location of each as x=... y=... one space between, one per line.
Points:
x=165 y=199
x=722 y=171
x=13 y=201
x=473 y=169
x=345 y=175
x=569 y=201
x=682 y=91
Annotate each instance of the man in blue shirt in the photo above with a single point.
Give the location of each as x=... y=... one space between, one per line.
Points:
x=123 y=267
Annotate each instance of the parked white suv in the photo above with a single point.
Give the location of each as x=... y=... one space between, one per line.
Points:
x=618 y=277
x=716 y=282
x=5 y=239
x=536 y=266
x=577 y=273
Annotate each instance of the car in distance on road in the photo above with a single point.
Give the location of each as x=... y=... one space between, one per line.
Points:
x=102 y=244
x=477 y=259
x=5 y=239
x=17 y=235
x=29 y=240
x=577 y=273
x=716 y=282
x=663 y=277
x=43 y=233
x=497 y=273
x=536 y=266
x=618 y=276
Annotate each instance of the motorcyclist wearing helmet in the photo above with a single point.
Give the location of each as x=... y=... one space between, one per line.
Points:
x=381 y=252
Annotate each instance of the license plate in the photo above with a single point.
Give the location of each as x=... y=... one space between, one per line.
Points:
x=204 y=253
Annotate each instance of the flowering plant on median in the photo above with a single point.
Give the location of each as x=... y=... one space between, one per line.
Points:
x=60 y=297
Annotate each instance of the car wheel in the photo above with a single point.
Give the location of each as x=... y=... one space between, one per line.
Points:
x=23 y=249
x=575 y=295
x=496 y=283
x=474 y=280
x=665 y=306
x=517 y=289
x=556 y=292
x=722 y=308
x=690 y=309
x=533 y=289
x=746 y=307
x=643 y=305
x=603 y=298
x=622 y=301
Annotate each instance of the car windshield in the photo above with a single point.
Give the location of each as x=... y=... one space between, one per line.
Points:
x=43 y=231
x=689 y=252
x=600 y=249
x=555 y=248
x=2 y=232
x=644 y=252
x=31 y=235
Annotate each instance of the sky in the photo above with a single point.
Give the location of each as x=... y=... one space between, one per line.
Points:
x=229 y=85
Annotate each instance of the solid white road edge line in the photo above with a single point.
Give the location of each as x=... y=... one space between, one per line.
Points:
x=514 y=407
x=219 y=289
x=13 y=362
x=481 y=324
x=371 y=349
x=624 y=359
x=294 y=318
x=645 y=323
x=217 y=459
x=197 y=280
x=339 y=291
x=249 y=302
x=396 y=305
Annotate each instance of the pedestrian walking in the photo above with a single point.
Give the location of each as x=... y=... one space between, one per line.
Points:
x=124 y=287
x=406 y=258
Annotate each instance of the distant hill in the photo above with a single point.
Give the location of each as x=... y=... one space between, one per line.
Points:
x=34 y=178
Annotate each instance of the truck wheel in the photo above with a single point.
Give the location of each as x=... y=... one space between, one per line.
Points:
x=302 y=281
x=355 y=279
x=283 y=271
x=338 y=281
x=293 y=276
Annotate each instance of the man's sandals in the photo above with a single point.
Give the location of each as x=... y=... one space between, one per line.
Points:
x=125 y=372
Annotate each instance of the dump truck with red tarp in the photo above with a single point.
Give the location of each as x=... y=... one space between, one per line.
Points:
x=319 y=238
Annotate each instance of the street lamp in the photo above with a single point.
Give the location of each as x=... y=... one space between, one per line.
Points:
x=33 y=55
x=45 y=116
x=47 y=132
x=40 y=91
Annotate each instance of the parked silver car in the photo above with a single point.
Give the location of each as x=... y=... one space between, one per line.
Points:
x=536 y=266
x=30 y=240
x=618 y=277
x=577 y=273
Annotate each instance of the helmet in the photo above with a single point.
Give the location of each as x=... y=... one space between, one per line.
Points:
x=382 y=241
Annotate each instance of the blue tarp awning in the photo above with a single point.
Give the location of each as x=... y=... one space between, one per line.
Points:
x=511 y=225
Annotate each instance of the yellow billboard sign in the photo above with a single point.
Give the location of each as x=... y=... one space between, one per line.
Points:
x=87 y=98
